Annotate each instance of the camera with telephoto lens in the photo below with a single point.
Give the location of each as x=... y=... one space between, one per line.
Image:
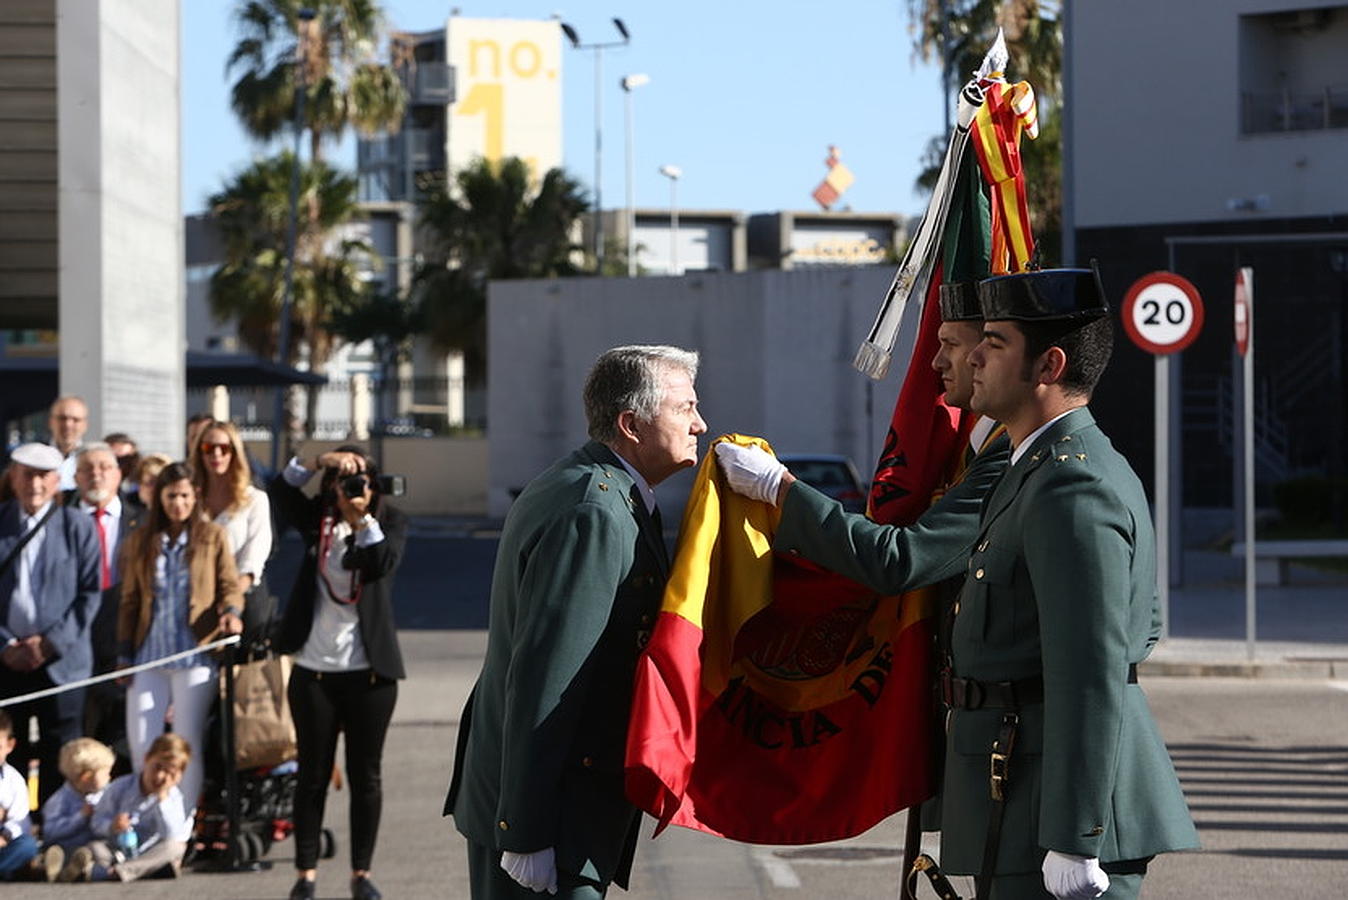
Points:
x=389 y=485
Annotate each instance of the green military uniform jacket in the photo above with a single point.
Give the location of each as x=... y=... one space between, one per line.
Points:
x=1061 y=584
x=578 y=580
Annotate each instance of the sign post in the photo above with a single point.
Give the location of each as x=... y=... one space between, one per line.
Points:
x=1162 y=313
x=1244 y=319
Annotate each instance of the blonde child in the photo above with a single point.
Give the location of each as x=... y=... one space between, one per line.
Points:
x=87 y=767
x=141 y=825
x=17 y=846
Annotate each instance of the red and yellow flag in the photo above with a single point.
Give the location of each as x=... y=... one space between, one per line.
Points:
x=777 y=702
x=1007 y=112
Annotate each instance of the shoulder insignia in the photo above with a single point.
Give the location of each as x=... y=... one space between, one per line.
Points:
x=1065 y=438
x=1035 y=458
x=1081 y=456
x=1063 y=458
x=604 y=487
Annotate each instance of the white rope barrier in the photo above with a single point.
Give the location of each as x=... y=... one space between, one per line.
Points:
x=120 y=673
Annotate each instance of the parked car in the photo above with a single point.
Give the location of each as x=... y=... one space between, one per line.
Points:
x=830 y=473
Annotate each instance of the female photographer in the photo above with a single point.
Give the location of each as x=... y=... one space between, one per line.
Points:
x=339 y=625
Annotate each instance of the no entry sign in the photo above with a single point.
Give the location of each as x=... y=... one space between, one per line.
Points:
x=1162 y=313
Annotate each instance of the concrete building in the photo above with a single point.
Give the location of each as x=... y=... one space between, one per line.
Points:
x=1199 y=138
x=90 y=230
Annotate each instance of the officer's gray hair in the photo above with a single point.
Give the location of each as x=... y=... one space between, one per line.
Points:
x=630 y=378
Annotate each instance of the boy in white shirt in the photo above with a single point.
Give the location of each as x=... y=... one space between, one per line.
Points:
x=17 y=846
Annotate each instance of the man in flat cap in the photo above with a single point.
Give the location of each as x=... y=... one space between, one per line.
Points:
x=49 y=591
x=1056 y=781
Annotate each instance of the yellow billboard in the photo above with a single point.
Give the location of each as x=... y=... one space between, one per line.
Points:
x=508 y=75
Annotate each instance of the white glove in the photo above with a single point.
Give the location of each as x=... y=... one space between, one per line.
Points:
x=537 y=871
x=750 y=471
x=1071 y=877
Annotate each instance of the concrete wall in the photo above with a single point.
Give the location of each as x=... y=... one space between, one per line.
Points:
x=121 y=242
x=776 y=361
x=1155 y=94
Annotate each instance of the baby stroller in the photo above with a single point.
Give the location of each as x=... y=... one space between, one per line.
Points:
x=248 y=805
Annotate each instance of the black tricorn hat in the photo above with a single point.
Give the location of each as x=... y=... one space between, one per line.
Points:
x=959 y=302
x=1051 y=295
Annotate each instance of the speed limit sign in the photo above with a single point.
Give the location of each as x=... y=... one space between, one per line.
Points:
x=1162 y=313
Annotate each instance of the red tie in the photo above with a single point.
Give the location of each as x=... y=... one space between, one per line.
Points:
x=103 y=547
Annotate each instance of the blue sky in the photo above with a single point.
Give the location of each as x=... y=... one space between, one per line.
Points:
x=745 y=96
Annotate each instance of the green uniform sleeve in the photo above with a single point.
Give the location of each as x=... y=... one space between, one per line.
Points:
x=890 y=559
x=567 y=590
x=1078 y=543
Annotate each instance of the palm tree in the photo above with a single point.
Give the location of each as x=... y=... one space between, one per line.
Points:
x=252 y=213
x=497 y=224
x=345 y=83
x=961 y=31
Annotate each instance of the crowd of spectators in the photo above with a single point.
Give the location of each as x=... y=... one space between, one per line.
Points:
x=111 y=558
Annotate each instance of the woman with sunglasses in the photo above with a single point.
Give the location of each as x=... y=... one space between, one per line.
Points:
x=339 y=625
x=221 y=474
x=179 y=591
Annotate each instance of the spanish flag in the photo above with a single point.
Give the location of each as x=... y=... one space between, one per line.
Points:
x=777 y=702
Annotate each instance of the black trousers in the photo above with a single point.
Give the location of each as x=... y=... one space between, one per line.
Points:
x=324 y=704
x=60 y=718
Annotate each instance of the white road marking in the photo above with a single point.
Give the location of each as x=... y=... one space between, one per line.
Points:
x=1339 y=685
x=779 y=871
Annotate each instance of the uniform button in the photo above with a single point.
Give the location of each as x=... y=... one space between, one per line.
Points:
x=978 y=574
x=587 y=762
x=646 y=620
x=602 y=486
x=503 y=825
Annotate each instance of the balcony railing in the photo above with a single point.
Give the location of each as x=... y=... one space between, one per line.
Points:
x=1262 y=112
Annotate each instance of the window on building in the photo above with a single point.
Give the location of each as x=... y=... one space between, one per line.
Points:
x=1294 y=70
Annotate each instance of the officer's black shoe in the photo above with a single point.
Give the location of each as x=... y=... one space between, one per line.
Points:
x=303 y=889
x=363 y=888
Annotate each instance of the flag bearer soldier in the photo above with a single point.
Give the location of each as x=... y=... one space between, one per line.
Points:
x=1058 y=608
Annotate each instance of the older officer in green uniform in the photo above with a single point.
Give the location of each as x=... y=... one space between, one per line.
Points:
x=1058 y=607
x=538 y=784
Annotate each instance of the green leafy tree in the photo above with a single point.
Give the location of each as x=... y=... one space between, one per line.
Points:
x=252 y=214
x=346 y=84
x=496 y=224
x=962 y=31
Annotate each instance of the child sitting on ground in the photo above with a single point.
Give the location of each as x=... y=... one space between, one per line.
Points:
x=87 y=766
x=141 y=824
x=17 y=846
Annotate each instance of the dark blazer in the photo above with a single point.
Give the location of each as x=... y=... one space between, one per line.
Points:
x=377 y=564
x=71 y=577
x=579 y=576
x=103 y=632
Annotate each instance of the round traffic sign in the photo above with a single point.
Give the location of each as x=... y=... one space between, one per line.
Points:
x=1162 y=312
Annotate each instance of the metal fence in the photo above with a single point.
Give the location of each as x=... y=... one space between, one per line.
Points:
x=405 y=407
x=1270 y=111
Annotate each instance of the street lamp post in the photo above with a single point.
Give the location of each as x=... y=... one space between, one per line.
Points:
x=629 y=84
x=598 y=49
x=304 y=17
x=673 y=173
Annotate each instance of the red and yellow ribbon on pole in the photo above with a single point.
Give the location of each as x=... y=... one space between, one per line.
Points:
x=1008 y=112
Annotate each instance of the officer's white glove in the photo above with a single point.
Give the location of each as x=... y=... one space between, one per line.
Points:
x=537 y=871
x=750 y=471
x=1071 y=877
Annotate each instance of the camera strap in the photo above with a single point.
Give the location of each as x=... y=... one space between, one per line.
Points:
x=326 y=530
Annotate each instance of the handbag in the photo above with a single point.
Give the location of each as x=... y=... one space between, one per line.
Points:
x=264 y=733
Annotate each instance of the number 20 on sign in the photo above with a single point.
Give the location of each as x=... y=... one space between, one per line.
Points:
x=1162 y=313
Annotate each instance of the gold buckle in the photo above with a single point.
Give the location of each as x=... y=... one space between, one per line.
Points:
x=997 y=770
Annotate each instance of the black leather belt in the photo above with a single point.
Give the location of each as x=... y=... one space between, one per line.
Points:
x=970 y=693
